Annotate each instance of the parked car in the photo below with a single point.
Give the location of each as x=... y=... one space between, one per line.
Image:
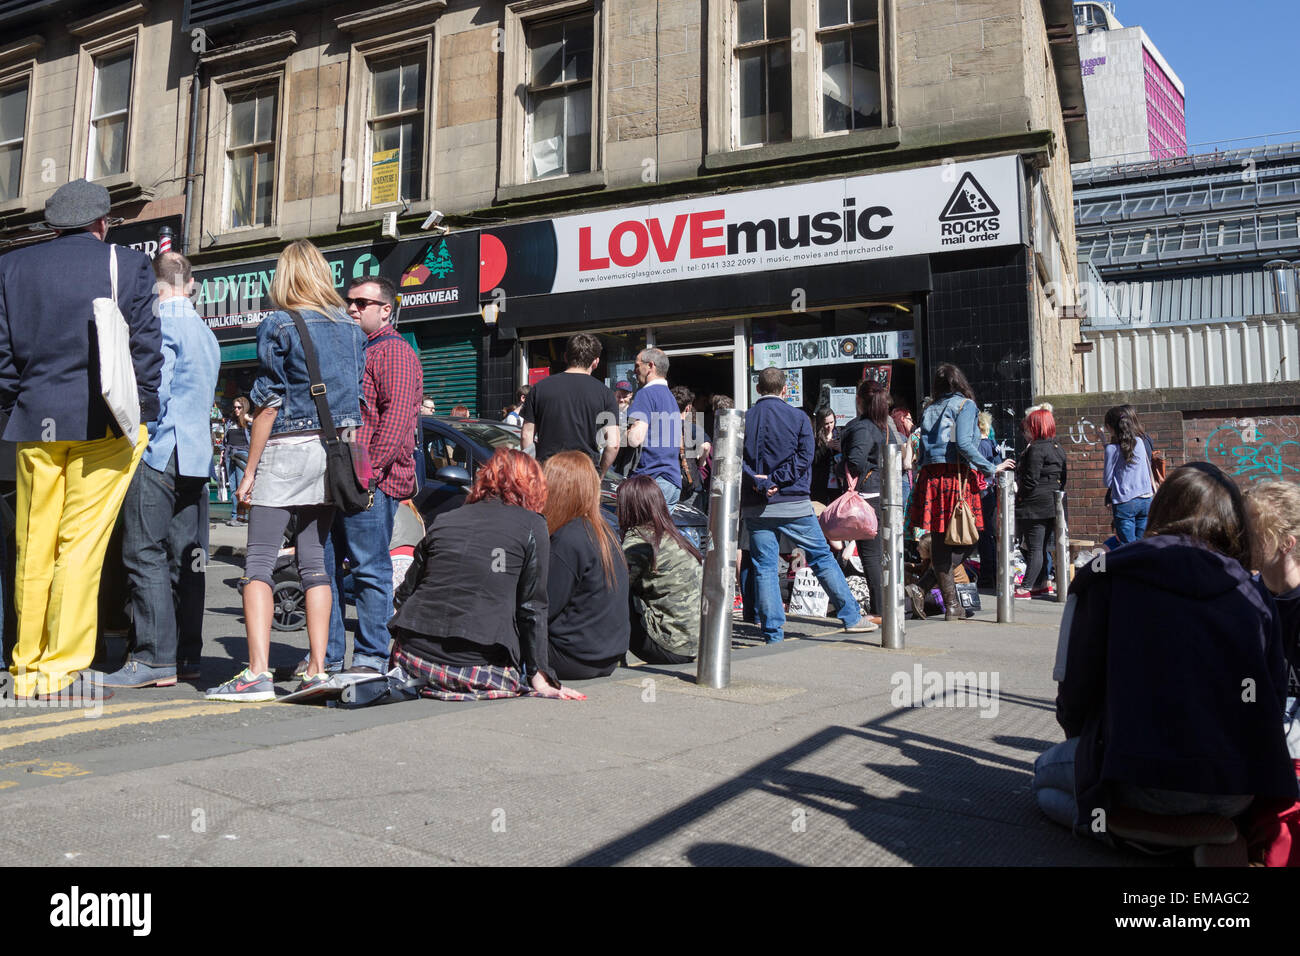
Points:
x=455 y=448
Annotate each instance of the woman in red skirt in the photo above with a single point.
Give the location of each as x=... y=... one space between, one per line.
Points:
x=949 y=456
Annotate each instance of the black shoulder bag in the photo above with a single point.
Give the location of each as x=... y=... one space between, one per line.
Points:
x=342 y=486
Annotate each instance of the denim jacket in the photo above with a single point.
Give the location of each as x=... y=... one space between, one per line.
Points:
x=949 y=432
x=283 y=382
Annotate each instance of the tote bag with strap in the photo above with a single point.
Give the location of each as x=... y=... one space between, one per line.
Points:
x=349 y=481
x=962 y=531
x=116 y=370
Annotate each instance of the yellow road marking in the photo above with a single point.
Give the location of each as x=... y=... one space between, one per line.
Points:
x=22 y=738
x=81 y=713
x=48 y=768
x=6 y=784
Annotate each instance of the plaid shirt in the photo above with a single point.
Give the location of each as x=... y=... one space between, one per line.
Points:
x=391 y=389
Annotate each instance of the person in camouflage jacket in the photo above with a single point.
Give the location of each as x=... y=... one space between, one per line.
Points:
x=664 y=577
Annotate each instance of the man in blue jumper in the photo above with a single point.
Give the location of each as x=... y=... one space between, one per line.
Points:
x=775 y=502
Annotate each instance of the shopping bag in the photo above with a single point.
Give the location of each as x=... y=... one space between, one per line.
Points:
x=116 y=370
x=848 y=517
x=806 y=596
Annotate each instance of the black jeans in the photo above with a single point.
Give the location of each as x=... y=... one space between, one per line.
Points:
x=165 y=551
x=872 y=558
x=1036 y=534
x=988 y=543
x=644 y=647
x=567 y=667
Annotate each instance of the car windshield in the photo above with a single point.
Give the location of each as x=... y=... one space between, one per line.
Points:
x=485 y=433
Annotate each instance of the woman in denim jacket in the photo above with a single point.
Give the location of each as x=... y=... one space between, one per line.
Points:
x=285 y=476
x=949 y=453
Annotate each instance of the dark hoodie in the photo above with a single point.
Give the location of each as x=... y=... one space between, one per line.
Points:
x=1174 y=676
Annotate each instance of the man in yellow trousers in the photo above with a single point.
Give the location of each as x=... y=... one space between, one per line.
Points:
x=74 y=464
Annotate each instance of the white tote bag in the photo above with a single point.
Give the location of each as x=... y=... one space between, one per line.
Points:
x=116 y=370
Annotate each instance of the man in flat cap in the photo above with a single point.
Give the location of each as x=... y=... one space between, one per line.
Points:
x=74 y=464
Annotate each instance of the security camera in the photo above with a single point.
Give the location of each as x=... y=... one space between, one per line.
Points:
x=433 y=221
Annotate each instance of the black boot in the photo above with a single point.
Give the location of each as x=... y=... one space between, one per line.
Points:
x=952 y=609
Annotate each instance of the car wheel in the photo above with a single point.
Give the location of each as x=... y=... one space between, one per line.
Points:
x=289 y=606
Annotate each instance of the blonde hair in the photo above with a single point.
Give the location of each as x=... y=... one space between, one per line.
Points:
x=985 y=422
x=304 y=280
x=1274 y=508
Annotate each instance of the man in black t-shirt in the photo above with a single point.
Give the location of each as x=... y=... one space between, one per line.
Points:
x=572 y=410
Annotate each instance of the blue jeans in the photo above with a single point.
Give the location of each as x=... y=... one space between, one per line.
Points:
x=165 y=552
x=234 y=475
x=672 y=493
x=764 y=551
x=1131 y=519
x=364 y=539
x=1054 y=783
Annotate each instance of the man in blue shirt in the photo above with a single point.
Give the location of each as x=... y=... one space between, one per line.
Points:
x=775 y=501
x=165 y=545
x=654 y=425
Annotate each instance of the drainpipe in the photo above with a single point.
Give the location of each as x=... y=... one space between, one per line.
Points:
x=189 y=161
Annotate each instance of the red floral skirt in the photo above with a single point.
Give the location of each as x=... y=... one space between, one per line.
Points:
x=936 y=495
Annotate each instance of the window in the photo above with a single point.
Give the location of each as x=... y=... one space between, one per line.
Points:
x=396 y=128
x=110 y=114
x=13 y=125
x=250 y=157
x=762 y=71
x=848 y=38
x=559 y=122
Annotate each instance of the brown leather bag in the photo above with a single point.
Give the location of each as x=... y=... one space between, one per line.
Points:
x=962 y=531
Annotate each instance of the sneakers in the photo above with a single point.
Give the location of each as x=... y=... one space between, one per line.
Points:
x=1048 y=589
x=1023 y=594
x=245 y=686
x=139 y=674
x=315 y=680
x=864 y=626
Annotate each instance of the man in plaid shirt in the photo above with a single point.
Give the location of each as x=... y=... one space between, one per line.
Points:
x=392 y=386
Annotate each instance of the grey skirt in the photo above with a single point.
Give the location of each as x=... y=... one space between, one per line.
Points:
x=291 y=471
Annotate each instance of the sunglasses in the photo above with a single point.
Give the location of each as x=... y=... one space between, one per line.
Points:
x=361 y=303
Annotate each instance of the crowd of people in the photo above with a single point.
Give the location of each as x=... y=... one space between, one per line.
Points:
x=1177 y=656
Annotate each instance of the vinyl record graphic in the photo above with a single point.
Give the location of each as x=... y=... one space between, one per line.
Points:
x=517 y=259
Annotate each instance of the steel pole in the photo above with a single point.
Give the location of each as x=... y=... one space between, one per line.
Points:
x=713 y=665
x=1062 y=550
x=892 y=617
x=1006 y=529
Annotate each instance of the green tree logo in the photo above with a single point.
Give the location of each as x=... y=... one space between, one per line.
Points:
x=439 y=265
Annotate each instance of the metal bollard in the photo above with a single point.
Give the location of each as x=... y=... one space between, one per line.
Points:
x=1062 y=550
x=713 y=665
x=1006 y=530
x=892 y=616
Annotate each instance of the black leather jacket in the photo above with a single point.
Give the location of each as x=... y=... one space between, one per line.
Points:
x=480 y=575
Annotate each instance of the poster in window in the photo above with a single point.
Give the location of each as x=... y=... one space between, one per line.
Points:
x=384 y=170
x=878 y=373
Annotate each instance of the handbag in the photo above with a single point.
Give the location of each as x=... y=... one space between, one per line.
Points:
x=848 y=517
x=1156 y=460
x=349 y=483
x=116 y=370
x=962 y=531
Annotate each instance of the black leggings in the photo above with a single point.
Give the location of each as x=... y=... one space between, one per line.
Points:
x=266 y=535
x=570 y=668
x=1037 y=533
x=946 y=557
x=872 y=558
x=644 y=647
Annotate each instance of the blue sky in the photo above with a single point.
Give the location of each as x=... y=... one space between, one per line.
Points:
x=1237 y=61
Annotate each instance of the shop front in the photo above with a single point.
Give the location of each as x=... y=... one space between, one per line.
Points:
x=439 y=315
x=832 y=281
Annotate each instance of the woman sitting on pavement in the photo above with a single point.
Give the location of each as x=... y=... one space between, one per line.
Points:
x=471 y=614
x=1040 y=475
x=949 y=453
x=664 y=576
x=1157 y=649
x=587 y=583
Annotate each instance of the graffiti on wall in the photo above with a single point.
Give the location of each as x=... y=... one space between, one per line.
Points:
x=1084 y=432
x=1256 y=449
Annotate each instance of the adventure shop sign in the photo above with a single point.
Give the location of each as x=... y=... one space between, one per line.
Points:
x=903 y=213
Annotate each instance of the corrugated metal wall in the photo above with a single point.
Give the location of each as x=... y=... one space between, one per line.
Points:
x=1264 y=349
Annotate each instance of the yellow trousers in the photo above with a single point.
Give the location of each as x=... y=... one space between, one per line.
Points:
x=69 y=494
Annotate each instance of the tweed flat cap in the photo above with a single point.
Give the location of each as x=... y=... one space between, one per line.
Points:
x=76 y=204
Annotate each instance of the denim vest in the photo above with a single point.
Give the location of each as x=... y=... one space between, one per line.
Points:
x=949 y=432
x=283 y=381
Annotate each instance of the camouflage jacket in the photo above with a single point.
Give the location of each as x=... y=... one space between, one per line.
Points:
x=666 y=600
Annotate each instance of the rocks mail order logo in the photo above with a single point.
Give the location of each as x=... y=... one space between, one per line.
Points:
x=969 y=215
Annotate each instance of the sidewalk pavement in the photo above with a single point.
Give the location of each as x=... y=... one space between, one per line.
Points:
x=811 y=756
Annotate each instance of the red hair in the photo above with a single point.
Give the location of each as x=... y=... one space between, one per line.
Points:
x=512 y=477
x=573 y=492
x=1039 y=424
